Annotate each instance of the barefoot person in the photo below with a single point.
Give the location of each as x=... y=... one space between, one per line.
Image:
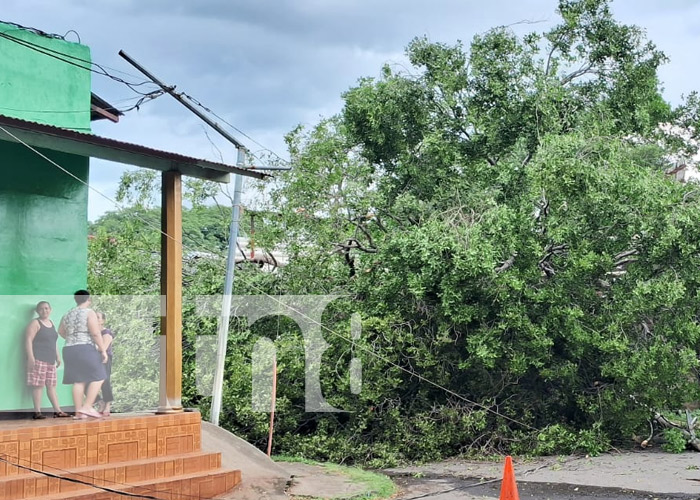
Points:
x=43 y=359
x=83 y=354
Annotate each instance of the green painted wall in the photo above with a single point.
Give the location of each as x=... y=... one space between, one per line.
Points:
x=38 y=87
x=43 y=211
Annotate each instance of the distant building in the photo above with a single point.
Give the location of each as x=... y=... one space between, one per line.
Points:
x=684 y=173
x=685 y=166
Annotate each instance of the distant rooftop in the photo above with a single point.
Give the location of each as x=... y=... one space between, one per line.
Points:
x=102 y=110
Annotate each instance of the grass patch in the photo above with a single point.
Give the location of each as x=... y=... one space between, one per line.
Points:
x=377 y=486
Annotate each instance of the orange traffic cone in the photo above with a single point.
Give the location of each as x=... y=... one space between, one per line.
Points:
x=509 y=490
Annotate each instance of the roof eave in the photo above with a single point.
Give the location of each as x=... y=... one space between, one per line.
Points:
x=69 y=141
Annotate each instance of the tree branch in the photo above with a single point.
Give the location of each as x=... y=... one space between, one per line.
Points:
x=353 y=244
x=507 y=264
x=579 y=72
x=365 y=231
x=379 y=223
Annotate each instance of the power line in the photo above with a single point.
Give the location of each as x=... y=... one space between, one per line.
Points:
x=209 y=110
x=146 y=96
x=6 y=459
x=63 y=37
x=75 y=61
x=143 y=99
x=352 y=342
x=481 y=483
x=189 y=103
x=77 y=481
x=450 y=490
x=46 y=111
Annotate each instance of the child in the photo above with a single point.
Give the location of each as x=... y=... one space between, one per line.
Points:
x=105 y=403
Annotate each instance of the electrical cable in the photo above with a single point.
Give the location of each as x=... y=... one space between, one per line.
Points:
x=450 y=490
x=481 y=483
x=352 y=342
x=143 y=99
x=209 y=110
x=74 y=61
x=139 y=101
x=61 y=56
x=45 y=111
x=77 y=481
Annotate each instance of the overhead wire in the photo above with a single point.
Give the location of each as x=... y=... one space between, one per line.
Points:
x=46 y=111
x=146 y=96
x=138 y=102
x=143 y=99
x=196 y=102
x=76 y=61
x=281 y=303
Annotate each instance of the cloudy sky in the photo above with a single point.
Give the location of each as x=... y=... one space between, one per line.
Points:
x=266 y=66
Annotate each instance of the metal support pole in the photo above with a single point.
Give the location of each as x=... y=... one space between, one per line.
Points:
x=222 y=339
x=184 y=102
x=171 y=90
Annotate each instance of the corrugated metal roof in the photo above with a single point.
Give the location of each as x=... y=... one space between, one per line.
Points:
x=79 y=143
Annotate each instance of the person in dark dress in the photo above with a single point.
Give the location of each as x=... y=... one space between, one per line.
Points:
x=43 y=359
x=84 y=355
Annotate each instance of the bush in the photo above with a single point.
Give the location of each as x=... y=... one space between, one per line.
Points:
x=675 y=441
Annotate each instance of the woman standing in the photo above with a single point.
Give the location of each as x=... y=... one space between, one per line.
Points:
x=83 y=354
x=43 y=359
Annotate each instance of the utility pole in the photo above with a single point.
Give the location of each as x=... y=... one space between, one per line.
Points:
x=222 y=337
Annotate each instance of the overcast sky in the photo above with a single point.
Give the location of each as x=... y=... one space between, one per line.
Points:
x=267 y=66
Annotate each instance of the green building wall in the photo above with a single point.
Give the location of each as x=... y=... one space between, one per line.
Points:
x=43 y=210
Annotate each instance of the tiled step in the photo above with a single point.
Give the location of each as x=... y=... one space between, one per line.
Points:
x=156 y=456
x=114 y=476
x=66 y=443
x=185 y=487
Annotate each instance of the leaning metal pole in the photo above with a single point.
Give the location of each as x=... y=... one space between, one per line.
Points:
x=171 y=91
x=222 y=337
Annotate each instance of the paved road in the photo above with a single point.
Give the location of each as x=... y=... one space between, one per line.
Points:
x=451 y=488
x=632 y=474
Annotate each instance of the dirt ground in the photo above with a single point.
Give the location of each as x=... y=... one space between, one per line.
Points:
x=310 y=481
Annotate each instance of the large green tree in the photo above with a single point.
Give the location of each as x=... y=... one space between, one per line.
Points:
x=502 y=219
x=499 y=217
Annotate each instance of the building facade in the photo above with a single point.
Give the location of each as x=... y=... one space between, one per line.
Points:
x=43 y=209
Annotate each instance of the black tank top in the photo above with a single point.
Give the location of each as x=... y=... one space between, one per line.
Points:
x=44 y=344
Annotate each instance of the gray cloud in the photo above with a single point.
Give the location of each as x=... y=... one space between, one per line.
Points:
x=266 y=66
